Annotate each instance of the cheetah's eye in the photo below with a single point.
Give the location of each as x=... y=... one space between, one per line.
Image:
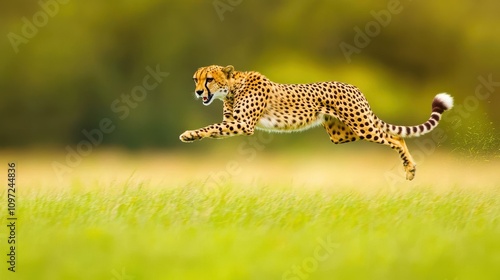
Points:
x=210 y=80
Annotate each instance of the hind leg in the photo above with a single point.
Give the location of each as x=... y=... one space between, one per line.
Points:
x=368 y=131
x=338 y=131
x=398 y=143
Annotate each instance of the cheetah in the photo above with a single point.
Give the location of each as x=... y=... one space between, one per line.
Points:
x=251 y=101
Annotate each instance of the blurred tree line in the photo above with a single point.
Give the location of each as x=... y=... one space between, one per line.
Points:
x=65 y=63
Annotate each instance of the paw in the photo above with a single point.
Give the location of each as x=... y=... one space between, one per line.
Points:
x=410 y=171
x=189 y=136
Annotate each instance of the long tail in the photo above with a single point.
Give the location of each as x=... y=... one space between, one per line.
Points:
x=441 y=103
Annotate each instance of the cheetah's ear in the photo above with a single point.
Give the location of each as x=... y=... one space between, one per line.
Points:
x=228 y=70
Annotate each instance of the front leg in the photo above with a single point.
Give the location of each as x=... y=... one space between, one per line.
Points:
x=219 y=130
x=240 y=118
x=227 y=111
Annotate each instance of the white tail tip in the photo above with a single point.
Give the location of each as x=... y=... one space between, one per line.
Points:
x=445 y=99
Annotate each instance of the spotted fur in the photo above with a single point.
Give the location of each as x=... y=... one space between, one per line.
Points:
x=251 y=101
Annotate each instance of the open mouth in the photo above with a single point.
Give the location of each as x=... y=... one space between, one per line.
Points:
x=207 y=99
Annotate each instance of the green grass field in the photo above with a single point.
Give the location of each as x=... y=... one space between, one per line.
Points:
x=136 y=227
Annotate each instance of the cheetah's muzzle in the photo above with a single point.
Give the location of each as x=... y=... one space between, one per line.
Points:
x=207 y=99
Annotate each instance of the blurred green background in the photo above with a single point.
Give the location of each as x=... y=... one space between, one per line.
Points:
x=63 y=64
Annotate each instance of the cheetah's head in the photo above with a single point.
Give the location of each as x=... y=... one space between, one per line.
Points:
x=212 y=82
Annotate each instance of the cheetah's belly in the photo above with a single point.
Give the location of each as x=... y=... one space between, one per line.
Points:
x=273 y=123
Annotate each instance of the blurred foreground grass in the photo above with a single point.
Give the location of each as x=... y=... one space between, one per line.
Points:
x=119 y=216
